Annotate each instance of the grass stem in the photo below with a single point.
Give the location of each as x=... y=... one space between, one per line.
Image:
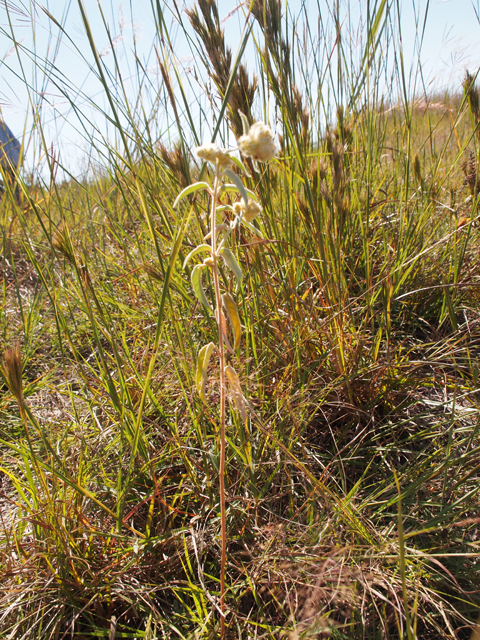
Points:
x=221 y=348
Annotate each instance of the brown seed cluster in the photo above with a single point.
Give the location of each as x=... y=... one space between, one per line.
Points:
x=472 y=179
x=205 y=20
x=176 y=161
x=12 y=371
x=471 y=94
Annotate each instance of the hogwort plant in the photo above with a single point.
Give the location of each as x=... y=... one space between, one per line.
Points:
x=256 y=143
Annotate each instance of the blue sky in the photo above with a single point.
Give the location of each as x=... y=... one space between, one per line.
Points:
x=451 y=44
x=452 y=38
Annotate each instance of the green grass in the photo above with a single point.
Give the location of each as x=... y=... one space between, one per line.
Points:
x=352 y=493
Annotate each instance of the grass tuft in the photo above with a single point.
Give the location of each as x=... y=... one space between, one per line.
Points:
x=342 y=500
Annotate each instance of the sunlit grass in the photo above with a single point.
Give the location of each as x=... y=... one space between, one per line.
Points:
x=352 y=493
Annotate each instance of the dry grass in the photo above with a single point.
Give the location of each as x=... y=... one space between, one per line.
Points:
x=352 y=505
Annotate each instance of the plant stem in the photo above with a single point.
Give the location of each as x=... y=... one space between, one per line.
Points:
x=221 y=347
x=401 y=547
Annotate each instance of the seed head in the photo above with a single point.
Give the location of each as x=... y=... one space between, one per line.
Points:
x=152 y=271
x=254 y=209
x=212 y=153
x=12 y=371
x=258 y=143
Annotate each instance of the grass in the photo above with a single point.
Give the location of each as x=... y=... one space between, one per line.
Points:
x=352 y=507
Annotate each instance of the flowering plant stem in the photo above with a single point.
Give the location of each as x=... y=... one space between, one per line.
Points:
x=258 y=145
x=221 y=348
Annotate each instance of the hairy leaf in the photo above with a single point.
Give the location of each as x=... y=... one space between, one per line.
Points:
x=196 y=186
x=241 y=166
x=196 y=278
x=231 y=262
x=234 y=187
x=252 y=228
x=236 y=388
x=200 y=248
x=222 y=323
x=231 y=307
x=239 y=185
x=202 y=366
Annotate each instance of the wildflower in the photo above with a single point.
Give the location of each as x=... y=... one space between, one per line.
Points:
x=247 y=214
x=212 y=153
x=258 y=143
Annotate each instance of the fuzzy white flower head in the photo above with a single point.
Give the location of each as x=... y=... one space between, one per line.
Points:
x=211 y=153
x=254 y=209
x=258 y=142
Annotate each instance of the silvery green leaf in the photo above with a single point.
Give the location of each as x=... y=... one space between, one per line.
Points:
x=232 y=263
x=196 y=279
x=200 y=248
x=252 y=228
x=236 y=388
x=196 y=186
x=234 y=187
x=241 y=166
x=239 y=184
x=202 y=365
x=232 y=310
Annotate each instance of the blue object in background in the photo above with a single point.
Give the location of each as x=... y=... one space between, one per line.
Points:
x=9 y=148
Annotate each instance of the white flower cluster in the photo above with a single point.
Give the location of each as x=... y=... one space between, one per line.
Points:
x=212 y=153
x=254 y=209
x=258 y=143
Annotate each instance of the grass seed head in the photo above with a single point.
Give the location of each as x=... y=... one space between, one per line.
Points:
x=417 y=169
x=152 y=271
x=471 y=93
x=470 y=171
x=176 y=161
x=61 y=242
x=12 y=371
x=205 y=20
x=269 y=16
